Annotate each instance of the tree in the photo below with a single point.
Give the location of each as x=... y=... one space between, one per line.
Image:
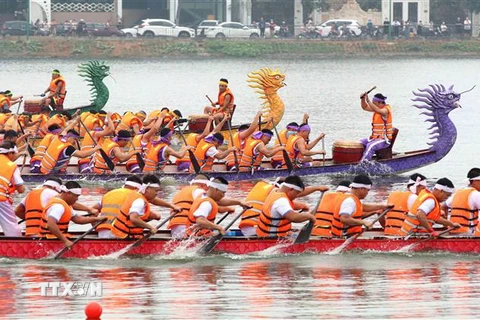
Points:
x=370 y=4
x=472 y=5
x=310 y=5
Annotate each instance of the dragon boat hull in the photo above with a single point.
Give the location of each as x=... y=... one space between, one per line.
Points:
x=25 y=248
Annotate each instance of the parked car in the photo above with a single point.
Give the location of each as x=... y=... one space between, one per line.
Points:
x=19 y=28
x=103 y=30
x=205 y=25
x=352 y=25
x=130 y=32
x=163 y=28
x=232 y=30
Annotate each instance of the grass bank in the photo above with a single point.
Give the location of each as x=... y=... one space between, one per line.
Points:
x=46 y=47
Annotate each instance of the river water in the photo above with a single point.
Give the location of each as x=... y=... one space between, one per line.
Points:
x=365 y=286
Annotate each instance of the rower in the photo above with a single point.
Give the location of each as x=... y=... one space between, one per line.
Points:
x=464 y=205
x=348 y=211
x=4 y=116
x=324 y=214
x=59 y=212
x=132 y=122
x=160 y=151
x=402 y=202
x=278 y=210
x=7 y=100
x=113 y=150
x=170 y=117
x=39 y=121
x=255 y=149
x=135 y=211
x=12 y=135
x=207 y=151
x=53 y=131
x=54 y=95
x=425 y=211
x=382 y=127
x=10 y=180
x=60 y=118
x=225 y=102
x=299 y=151
x=240 y=138
x=32 y=206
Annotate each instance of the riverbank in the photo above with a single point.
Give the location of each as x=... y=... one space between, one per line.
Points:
x=47 y=47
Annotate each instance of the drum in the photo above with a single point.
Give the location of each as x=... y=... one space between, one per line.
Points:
x=346 y=151
x=33 y=105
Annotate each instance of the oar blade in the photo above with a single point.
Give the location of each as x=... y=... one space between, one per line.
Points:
x=304 y=234
x=140 y=161
x=108 y=161
x=194 y=161
x=65 y=249
x=31 y=152
x=288 y=161
x=210 y=244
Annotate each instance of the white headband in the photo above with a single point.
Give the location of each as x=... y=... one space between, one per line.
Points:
x=342 y=188
x=444 y=188
x=144 y=187
x=3 y=150
x=360 y=185
x=476 y=178
x=133 y=184
x=199 y=181
x=77 y=191
x=219 y=186
x=418 y=182
x=291 y=186
x=54 y=184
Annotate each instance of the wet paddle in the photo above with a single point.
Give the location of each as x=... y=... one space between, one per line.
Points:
x=438 y=236
x=237 y=165
x=211 y=243
x=287 y=159
x=138 y=156
x=31 y=152
x=193 y=159
x=350 y=240
x=363 y=95
x=304 y=234
x=61 y=252
x=105 y=157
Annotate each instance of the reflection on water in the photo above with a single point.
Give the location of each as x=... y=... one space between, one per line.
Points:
x=360 y=286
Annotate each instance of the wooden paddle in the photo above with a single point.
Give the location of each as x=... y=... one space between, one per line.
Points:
x=350 y=240
x=140 y=161
x=105 y=157
x=237 y=164
x=363 y=95
x=304 y=234
x=31 y=152
x=211 y=243
x=61 y=252
x=287 y=159
x=438 y=236
x=193 y=159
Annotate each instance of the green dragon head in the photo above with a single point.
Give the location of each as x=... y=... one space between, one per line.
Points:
x=94 y=69
x=94 y=72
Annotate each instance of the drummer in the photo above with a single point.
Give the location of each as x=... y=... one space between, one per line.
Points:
x=54 y=95
x=382 y=127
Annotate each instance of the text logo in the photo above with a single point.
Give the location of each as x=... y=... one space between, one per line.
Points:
x=71 y=289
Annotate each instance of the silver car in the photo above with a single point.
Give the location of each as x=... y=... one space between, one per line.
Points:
x=232 y=30
x=163 y=28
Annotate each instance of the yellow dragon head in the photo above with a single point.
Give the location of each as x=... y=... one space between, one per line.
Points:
x=268 y=81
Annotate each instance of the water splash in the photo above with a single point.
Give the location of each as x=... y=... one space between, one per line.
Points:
x=371 y=168
x=116 y=254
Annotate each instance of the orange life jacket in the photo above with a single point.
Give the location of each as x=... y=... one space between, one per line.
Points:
x=62 y=224
x=462 y=213
x=35 y=129
x=250 y=159
x=54 y=84
x=278 y=157
x=230 y=159
x=411 y=223
x=123 y=227
x=338 y=228
x=269 y=226
x=51 y=159
x=42 y=147
x=153 y=162
x=193 y=220
x=12 y=124
x=88 y=144
x=324 y=215
x=111 y=203
x=137 y=146
x=99 y=164
x=256 y=199
x=5 y=99
x=293 y=154
x=394 y=218
x=7 y=169
x=191 y=140
x=33 y=212
x=183 y=199
x=128 y=121
x=56 y=119
x=221 y=99
x=4 y=117
x=381 y=127
x=89 y=122
x=201 y=155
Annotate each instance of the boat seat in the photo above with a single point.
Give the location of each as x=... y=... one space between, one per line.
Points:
x=387 y=153
x=198 y=125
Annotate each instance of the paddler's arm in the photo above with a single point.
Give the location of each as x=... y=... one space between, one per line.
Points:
x=302 y=147
x=123 y=156
x=135 y=219
x=81 y=207
x=422 y=218
x=314 y=142
x=233 y=202
x=448 y=223
x=349 y=221
x=180 y=154
x=219 y=126
x=367 y=207
x=269 y=152
x=20 y=211
x=253 y=127
x=205 y=224
x=224 y=154
x=70 y=125
x=147 y=136
x=162 y=203
x=86 y=153
x=294 y=216
x=78 y=219
x=53 y=227
x=206 y=131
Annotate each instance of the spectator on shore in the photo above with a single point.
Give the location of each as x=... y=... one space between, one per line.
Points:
x=431 y=29
x=370 y=27
x=261 y=26
x=459 y=27
x=53 y=28
x=396 y=28
x=419 y=28
x=443 y=28
x=272 y=28
x=386 y=26
x=467 y=27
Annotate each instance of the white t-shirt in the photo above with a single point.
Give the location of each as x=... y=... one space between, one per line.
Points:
x=17 y=178
x=280 y=208
x=56 y=211
x=138 y=207
x=45 y=196
x=473 y=200
x=212 y=152
x=348 y=207
x=197 y=193
x=411 y=199
x=427 y=206
x=204 y=209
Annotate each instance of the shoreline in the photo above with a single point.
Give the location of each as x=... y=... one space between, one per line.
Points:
x=161 y=48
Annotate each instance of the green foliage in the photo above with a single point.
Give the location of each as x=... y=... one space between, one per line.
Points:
x=370 y=4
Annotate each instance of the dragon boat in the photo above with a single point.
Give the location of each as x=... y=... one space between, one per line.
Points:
x=162 y=244
x=435 y=102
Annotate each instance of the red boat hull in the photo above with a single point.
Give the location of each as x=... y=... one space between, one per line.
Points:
x=37 y=249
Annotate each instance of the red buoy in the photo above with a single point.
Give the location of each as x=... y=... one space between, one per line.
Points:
x=93 y=310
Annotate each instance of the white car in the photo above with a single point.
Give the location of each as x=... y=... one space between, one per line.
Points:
x=205 y=25
x=232 y=30
x=326 y=27
x=163 y=28
x=130 y=32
